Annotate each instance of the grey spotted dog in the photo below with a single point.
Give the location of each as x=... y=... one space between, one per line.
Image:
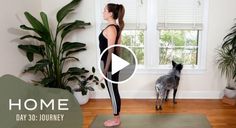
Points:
x=167 y=82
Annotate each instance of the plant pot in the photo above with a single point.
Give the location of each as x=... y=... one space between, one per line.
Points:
x=230 y=93
x=82 y=99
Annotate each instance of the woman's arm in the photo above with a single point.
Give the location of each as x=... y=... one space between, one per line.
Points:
x=110 y=34
x=118 y=48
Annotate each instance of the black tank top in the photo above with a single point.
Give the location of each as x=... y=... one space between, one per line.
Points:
x=103 y=44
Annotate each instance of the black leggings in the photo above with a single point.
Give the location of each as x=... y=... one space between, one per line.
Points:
x=114 y=92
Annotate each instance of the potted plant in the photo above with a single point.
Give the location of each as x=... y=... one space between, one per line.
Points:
x=53 y=52
x=226 y=60
x=85 y=84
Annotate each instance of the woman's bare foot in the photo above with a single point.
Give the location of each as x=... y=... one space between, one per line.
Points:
x=113 y=122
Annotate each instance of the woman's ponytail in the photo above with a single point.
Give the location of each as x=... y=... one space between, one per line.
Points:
x=118 y=12
x=121 y=14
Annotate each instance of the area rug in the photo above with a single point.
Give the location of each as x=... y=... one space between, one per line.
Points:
x=156 y=121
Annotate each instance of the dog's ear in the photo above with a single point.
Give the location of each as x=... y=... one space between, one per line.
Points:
x=173 y=63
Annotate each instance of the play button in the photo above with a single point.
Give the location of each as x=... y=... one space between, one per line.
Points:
x=117 y=64
x=122 y=65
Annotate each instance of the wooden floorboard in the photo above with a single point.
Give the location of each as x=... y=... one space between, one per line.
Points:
x=219 y=114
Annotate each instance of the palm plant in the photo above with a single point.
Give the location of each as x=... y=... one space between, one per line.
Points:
x=53 y=51
x=226 y=56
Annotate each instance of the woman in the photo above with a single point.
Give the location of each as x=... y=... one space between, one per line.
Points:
x=109 y=36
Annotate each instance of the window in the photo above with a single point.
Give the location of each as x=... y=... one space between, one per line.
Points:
x=159 y=31
x=134 y=39
x=179 y=26
x=178 y=45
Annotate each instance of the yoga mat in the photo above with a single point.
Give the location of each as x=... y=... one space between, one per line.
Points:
x=155 y=121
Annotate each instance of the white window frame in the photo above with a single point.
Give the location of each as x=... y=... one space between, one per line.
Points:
x=140 y=65
x=151 y=42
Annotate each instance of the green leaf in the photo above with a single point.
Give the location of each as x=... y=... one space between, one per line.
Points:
x=96 y=78
x=226 y=56
x=47 y=81
x=30 y=69
x=63 y=26
x=84 y=92
x=77 y=90
x=45 y=20
x=39 y=28
x=30 y=56
x=229 y=39
x=62 y=13
x=90 y=89
x=72 y=45
x=31 y=50
x=39 y=66
x=26 y=27
x=65 y=58
x=90 y=77
x=75 y=51
x=84 y=84
x=34 y=22
x=73 y=78
x=45 y=36
x=69 y=89
x=93 y=69
x=33 y=37
x=83 y=77
x=102 y=85
x=73 y=26
x=226 y=62
x=43 y=61
x=76 y=71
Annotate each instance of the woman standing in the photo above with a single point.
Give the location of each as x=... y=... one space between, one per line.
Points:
x=109 y=36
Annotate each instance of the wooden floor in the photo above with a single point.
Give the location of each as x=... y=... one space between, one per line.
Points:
x=219 y=114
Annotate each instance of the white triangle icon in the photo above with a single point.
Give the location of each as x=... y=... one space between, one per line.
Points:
x=117 y=64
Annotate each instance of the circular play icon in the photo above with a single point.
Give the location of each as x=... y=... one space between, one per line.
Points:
x=121 y=64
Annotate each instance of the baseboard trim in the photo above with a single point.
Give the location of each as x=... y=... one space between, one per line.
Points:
x=103 y=94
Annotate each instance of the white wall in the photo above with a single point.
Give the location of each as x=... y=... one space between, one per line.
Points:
x=12 y=61
x=208 y=84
